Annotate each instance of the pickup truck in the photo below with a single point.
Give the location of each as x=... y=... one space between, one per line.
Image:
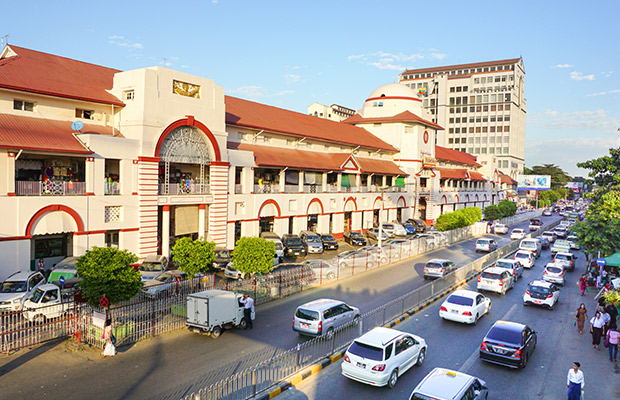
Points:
x=47 y=302
x=560 y=245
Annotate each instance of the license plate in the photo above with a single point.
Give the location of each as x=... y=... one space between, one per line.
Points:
x=455 y=311
x=296 y=253
x=499 y=350
x=537 y=301
x=305 y=325
x=361 y=365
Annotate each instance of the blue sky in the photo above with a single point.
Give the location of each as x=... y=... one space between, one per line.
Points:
x=291 y=54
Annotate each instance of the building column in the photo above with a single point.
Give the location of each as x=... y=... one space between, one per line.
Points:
x=148 y=170
x=369 y=183
x=339 y=182
x=358 y=182
x=9 y=177
x=323 y=223
x=282 y=181
x=384 y=181
x=300 y=224
x=165 y=231
x=125 y=169
x=280 y=225
x=89 y=176
x=247 y=180
x=202 y=213
x=324 y=182
x=356 y=221
x=218 y=211
x=338 y=225
x=301 y=182
x=134 y=177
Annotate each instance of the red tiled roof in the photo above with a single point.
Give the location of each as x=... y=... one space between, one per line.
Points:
x=462 y=66
x=459 y=173
x=405 y=116
x=37 y=72
x=260 y=116
x=507 y=179
x=28 y=133
x=268 y=156
x=455 y=156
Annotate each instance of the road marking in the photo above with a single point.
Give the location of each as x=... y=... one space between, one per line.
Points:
x=472 y=358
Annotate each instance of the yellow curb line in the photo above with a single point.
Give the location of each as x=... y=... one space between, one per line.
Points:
x=275 y=392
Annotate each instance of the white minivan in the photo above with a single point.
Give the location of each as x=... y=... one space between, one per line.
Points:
x=533 y=245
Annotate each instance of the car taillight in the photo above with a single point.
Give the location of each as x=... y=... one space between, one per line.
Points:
x=379 y=367
x=443 y=309
x=478 y=279
x=293 y=322
x=347 y=359
x=549 y=296
x=501 y=282
x=320 y=326
x=517 y=354
x=545 y=273
x=528 y=293
x=562 y=274
x=441 y=270
x=483 y=346
x=468 y=313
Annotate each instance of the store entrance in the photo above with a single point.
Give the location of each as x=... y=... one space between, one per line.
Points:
x=51 y=248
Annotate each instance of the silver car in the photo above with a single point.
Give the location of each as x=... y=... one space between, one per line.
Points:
x=554 y=273
x=323 y=316
x=323 y=269
x=438 y=268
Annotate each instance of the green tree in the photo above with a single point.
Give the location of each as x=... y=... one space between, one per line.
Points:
x=108 y=272
x=458 y=219
x=193 y=256
x=604 y=170
x=491 y=213
x=507 y=208
x=254 y=254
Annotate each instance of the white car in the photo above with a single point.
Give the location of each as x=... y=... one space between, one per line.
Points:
x=554 y=273
x=487 y=245
x=541 y=293
x=517 y=233
x=443 y=383
x=547 y=213
x=500 y=229
x=526 y=258
x=17 y=288
x=380 y=356
x=465 y=306
x=496 y=280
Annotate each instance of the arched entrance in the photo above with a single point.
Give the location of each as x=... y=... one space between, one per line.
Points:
x=400 y=204
x=315 y=208
x=349 y=208
x=267 y=213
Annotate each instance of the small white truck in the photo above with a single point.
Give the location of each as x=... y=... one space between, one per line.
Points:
x=211 y=311
x=47 y=302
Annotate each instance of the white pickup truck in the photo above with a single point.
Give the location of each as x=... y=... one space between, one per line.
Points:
x=47 y=302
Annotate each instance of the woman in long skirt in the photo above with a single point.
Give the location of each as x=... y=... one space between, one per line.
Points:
x=109 y=349
x=580 y=316
x=597 y=324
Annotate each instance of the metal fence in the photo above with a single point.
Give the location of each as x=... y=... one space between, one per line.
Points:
x=145 y=316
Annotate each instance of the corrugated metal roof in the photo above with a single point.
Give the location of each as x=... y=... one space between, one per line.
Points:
x=455 y=156
x=37 y=72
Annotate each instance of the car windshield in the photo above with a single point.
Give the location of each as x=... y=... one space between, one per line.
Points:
x=528 y=245
x=483 y=241
x=148 y=266
x=313 y=239
x=222 y=254
x=522 y=255
x=564 y=257
x=420 y=396
x=278 y=245
x=356 y=235
x=388 y=226
x=490 y=275
x=433 y=265
x=460 y=300
x=328 y=237
x=294 y=241
x=366 y=351
x=36 y=296
x=308 y=315
x=518 y=231
x=538 y=290
x=163 y=277
x=13 y=287
x=502 y=334
x=504 y=264
x=554 y=270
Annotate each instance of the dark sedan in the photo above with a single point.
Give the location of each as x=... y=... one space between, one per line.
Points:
x=354 y=238
x=508 y=343
x=544 y=242
x=329 y=242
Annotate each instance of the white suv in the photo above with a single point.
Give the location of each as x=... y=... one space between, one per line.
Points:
x=541 y=293
x=17 y=288
x=380 y=356
x=526 y=258
x=554 y=273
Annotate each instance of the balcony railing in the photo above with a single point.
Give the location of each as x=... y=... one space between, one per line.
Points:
x=238 y=189
x=50 y=188
x=184 y=188
x=112 y=188
x=266 y=188
x=313 y=188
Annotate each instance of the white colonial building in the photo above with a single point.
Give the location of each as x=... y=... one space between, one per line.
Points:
x=158 y=154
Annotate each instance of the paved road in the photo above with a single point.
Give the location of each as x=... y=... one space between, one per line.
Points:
x=175 y=364
x=456 y=346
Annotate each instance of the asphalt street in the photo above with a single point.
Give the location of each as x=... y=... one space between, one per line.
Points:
x=456 y=346
x=179 y=363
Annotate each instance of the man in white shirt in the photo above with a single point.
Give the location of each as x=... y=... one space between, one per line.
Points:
x=248 y=307
x=575 y=382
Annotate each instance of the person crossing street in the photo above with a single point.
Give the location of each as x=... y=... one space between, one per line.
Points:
x=248 y=307
x=575 y=382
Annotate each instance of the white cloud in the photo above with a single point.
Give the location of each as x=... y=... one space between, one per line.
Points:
x=121 y=41
x=607 y=74
x=291 y=78
x=578 y=76
x=562 y=66
x=257 y=92
x=438 y=56
x=604 y=93
x=389 y=61
x=185 y=66
x=597 y=121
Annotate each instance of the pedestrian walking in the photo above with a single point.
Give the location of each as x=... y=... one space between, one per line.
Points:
x=580 y=316
x=597 y=325
x=575 y=382
x=248 y=307
x=613 y=313
x=109 y=348
x=605 y=317
x=613 y=337
x=583 y=284
x=41 y=266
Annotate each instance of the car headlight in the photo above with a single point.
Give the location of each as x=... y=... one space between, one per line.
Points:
x=16 y=301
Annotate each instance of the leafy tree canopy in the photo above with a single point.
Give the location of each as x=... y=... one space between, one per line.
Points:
x=600 y=231
x=507 y=208
x=193 y=256
x=458 y=219
x=254 y=254
x=107 y=271
x=604 y=170
x=491 y=213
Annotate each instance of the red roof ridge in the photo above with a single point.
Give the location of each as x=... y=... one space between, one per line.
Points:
x=467 y=65
x=456 y=156
x=13 y=47
x=405 y=116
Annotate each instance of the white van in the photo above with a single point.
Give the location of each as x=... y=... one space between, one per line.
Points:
x=532 y=245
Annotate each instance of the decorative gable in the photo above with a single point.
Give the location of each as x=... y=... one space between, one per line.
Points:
x=350 y=164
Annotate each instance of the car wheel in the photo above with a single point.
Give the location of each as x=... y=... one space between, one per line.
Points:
x=243 y=324
x=393 y=379
x=356 y=320
x=330 y=332
x=330 y=275
x=216 y=332
x=39 y=319
x=476 y=319
x=421 y=357
x=551 y=306
x=524 y=361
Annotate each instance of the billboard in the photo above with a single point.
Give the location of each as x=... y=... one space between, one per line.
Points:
x=533 y=182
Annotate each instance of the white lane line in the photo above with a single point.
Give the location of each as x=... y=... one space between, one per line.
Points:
x=474 y=356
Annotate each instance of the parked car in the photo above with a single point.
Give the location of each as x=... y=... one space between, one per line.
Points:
x=549 y=235
x=496 y=280
x=508 y=343
x=430 y=240
x=67 y=269
x=399 y=230
x=541 y=293
x=465 y=306
x=312 y=241
x=17 y=288
x=299 y=274
x=410 y=228
x=354 y=238
x=513 y=266
x=380 y=356
x=554 y=273
x=273 y=237
x=500 y=229
x=420 y=226
x=437 y=268
x=445 y=384
x=357 y=258
x=152 y=266
x=222 y=258
x=532 y=245
x=373 y=233
x=323 y=316
x=389 y=229
x=329 y=242
x=293 y=246
x=566 y=259
x=47 y=302
x=164 y=284
x=544 y=242
x=526 y=258
x=232 y=273
x=487 y=245
x=517 y=234
x=278 y=246
x=323 y=269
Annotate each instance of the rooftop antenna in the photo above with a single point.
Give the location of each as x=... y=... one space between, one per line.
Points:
x=5 y=40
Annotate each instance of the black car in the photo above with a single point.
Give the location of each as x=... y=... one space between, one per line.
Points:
x=508 y=343
x=420 y=226
x=354 y=238
x=329 y=242
x=544 y=242
x=222 y=258
x=294 y=246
